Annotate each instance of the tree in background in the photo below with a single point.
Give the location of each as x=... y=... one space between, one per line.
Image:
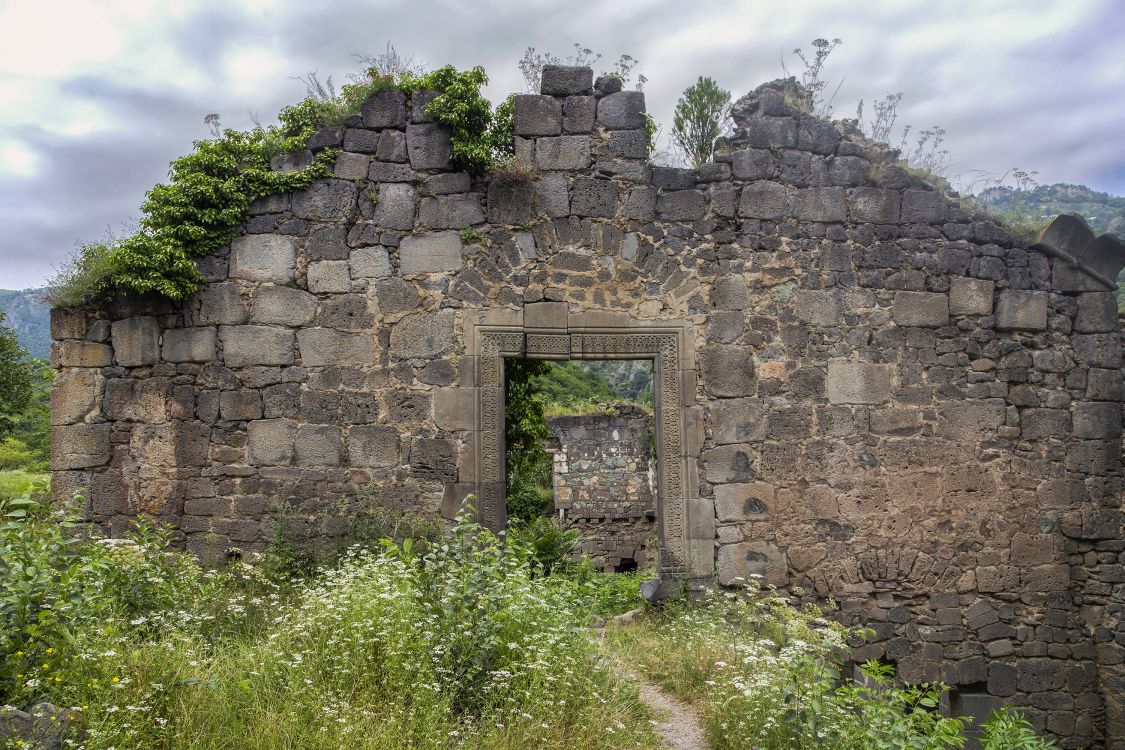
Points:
x=529 y=481
x=698 y=120
x=17 y=374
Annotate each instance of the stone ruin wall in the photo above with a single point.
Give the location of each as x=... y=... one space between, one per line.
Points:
x=888 y=401
x=604 y=480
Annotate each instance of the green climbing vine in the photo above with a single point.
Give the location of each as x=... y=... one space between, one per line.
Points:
x=210 y=190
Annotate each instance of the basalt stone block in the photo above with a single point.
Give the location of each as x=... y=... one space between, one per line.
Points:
x=796 y=168
x=728 y=463
x=392 y=146
x=593 y=197
x=510 y=203
x=970 y=296
x=74 y=395
x=551 y=196
x=745 y=501
x=136 y=341
x=848 y=170
x=771 y=132
x=828 y=204
x=385 y=171
x=741 y=563
x=817 y=136
x=629 y=144
x=873 y=205
x=859 y=382
x=578 y=114
x=385 y=109
x=373 y=446
x=924 y=207
x=820 y=307
x=433 y=459
x=640 y=204
x=329 y=277
x=219 y=304
x=681 y=205
x=325 y=138
x=361 y=141
x=370 y=263
x=448 y=183
x=920 y=309
x=282 y=305
x=80 y=446
x=752 y=164
x=622 y=111
x=244 y=346
x=429 y=146
x=324 y=347
x=270 y=442
x=737 y=420
x=566 y=80
x=293 y=162
x=727 y=370
x=535 y=115
x=971 y=420
x=190 y=344
x=1104 y=385
x=451 y=211
x=423 y=335
x=263 y=257
x=1097 y=313
x=454 y=408
x=1097 y=420
x=418 y=101
x=764 y=200
x=730 y=293
x=326 y=200
x=1021 y=311
x=1044 y=424
x=436 y=252
x=567 y=152
x=673 y=178
x=351 y=166
x=240 y=406
x=318 y=445
x=1098 y=349
x=327 y=243
x=395 y=208
x=395 y=295
x=345 y=312
x=80 y=354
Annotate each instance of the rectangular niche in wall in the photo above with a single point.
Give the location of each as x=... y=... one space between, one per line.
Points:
x=665 y=347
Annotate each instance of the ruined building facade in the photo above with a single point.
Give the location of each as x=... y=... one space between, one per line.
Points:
x=864 y=391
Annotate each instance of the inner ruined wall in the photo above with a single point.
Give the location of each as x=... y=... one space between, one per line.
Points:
x=896 y=404
x=604 y=482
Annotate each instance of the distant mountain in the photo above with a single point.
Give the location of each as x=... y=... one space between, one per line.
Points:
x=29 y=318
x=1102 y=211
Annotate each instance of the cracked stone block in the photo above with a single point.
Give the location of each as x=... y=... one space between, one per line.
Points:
x=423 y=335
x=451 y=211
x=534 y=115
x=436 y=252
x=920 y=309
x=190 y=344
x=764 y=200
x=136 y=341
x=248 y=345
x=270 y=442
x=385 y=109
x=1021 y=311
x=566 y=80
x=970 y=296
x=874 y=205
x=325 y=347
x=329 y=277
x=593 y=197
x=1098 y=349
x=565 y=152
x=370 y=263
x=395 y=208
x=622 y=111
x=263 y=257
x=282 y=305
x=858 y=382
x=429 y=146
x=374 y=446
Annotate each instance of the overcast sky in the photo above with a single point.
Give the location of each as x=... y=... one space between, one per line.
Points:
x=97 y=96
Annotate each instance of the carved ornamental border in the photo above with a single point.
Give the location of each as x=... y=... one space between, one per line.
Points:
x=663 y=345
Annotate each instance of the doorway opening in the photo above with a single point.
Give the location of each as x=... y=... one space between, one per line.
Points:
x=580 y=438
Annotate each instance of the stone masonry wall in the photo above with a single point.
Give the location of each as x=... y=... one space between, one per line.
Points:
x=897 y=405
x=603 y=479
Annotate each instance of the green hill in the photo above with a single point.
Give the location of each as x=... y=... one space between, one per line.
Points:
x=29 y=318
x=1102 y=211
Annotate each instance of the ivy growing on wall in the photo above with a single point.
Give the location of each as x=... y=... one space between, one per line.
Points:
x=209 y=191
